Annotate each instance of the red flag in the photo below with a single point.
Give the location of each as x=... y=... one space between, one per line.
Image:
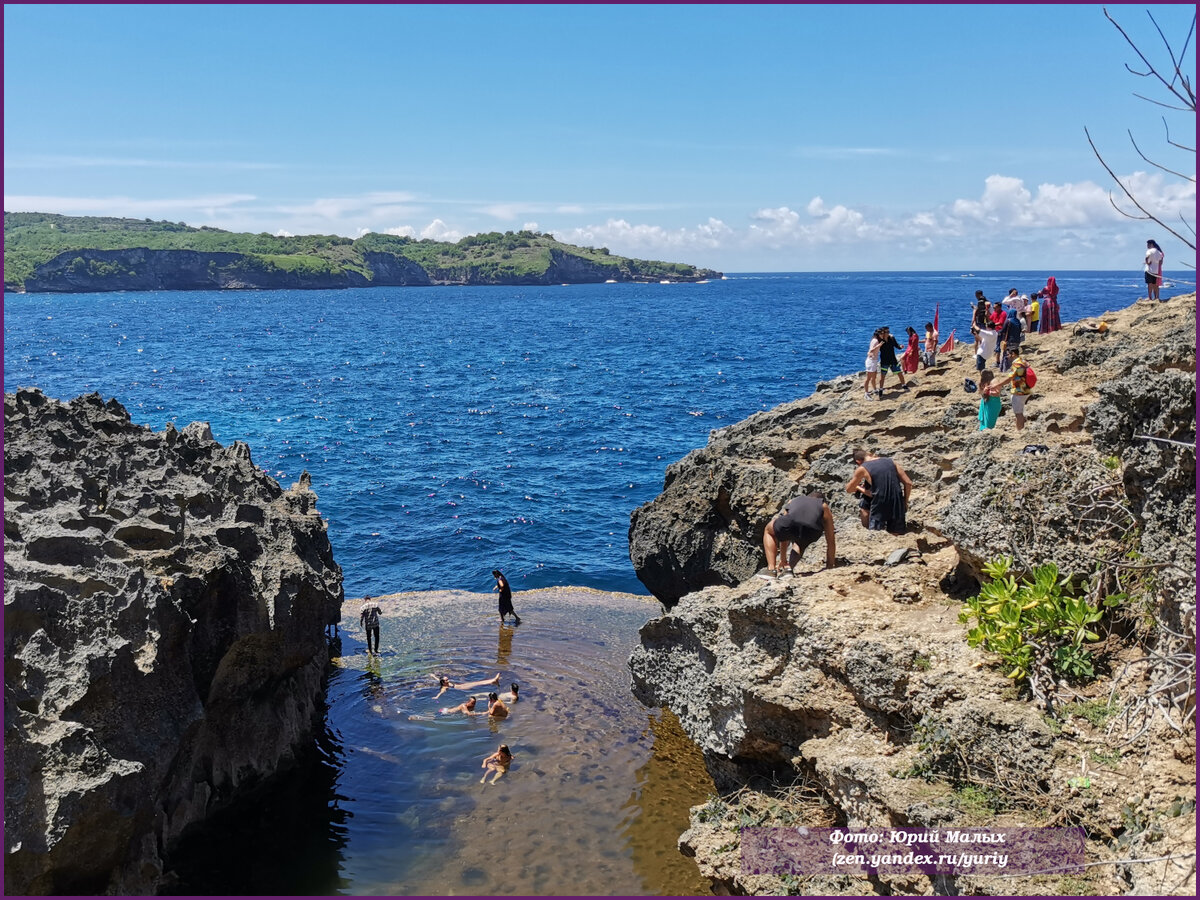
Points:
x=935 y=317
x=948 y=345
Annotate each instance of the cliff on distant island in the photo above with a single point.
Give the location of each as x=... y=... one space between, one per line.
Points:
x=850 y=696
x=69 y=254
x=165 y=604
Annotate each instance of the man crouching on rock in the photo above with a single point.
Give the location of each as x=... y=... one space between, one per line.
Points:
x=802 y=521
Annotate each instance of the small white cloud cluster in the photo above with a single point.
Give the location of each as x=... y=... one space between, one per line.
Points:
x=1008 y=225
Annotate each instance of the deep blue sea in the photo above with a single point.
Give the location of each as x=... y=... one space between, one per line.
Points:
x=451 y=430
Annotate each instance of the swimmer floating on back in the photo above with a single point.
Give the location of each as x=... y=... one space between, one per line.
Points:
x=444 y=684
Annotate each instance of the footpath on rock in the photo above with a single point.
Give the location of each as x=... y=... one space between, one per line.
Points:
x=850 y=696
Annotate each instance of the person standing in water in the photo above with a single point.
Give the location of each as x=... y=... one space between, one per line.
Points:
x=506 y=607
x=368 y=617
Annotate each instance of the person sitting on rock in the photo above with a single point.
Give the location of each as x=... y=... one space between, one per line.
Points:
x=802 y=521
x=883 y=486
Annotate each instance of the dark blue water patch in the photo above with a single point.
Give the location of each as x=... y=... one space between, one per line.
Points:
x=450 y=431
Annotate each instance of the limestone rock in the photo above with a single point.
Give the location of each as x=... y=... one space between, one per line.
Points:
x=164 y=612
x=859 y=678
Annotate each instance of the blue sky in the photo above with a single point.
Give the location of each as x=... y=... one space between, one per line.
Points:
x=745 y=138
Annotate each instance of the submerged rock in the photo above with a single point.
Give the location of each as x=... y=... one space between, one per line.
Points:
x=165 y=603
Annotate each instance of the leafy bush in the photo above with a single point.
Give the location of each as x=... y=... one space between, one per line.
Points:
x=1037 y=626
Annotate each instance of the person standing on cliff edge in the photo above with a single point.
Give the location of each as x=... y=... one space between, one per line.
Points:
x=802 y=521
x=883 y=488
x=368 y=617
x=506 y=607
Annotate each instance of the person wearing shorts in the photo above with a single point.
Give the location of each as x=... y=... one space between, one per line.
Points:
x=872 y=363
x=883 y=488
x=801 y=522
x=1020 y=390
x=887 y=359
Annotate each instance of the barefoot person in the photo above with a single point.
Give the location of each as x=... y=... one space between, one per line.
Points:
x=445 y=684
x=802 y=521
x=506 y=607
x=467 y=708
x=885 y=487
x=498 y=762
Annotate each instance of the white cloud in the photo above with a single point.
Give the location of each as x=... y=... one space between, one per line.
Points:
x=174 y=207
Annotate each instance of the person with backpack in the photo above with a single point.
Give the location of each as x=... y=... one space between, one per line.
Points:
x=1023 y=379
x=368 y=617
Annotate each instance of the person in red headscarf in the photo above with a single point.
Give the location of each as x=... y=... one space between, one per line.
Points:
x=1049 y=319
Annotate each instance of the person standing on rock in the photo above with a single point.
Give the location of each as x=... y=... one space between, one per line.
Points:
x=368 y=617
x=1153 y=269
x=506 y=607
x=884 y=486
x=802 y=521
x=888 y=361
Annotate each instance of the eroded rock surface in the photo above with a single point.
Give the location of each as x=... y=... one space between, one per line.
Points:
x=165 y=604
x=858 y=682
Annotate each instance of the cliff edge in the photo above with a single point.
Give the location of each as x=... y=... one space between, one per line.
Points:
x=850 y=696
x=165 y=604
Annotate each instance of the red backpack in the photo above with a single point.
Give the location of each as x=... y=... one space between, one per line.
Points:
x=1030 y=376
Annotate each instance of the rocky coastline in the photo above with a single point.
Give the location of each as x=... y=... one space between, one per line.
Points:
x=165 y=607
x=850 y=696
x=141 y=269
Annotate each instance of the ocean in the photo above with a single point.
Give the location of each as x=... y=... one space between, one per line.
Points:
x=450 y=431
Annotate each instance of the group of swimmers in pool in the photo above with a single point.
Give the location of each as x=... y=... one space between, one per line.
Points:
x=499 y=761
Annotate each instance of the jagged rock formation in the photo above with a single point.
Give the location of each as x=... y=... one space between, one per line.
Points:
x=857 y=680
x=165 y=604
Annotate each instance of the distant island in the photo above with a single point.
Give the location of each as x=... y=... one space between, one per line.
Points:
x=72 y=254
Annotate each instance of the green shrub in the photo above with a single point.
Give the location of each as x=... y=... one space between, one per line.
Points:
x=1036 y=626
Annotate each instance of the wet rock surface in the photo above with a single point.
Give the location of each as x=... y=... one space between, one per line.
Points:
x=165 y=604
x=858 y=681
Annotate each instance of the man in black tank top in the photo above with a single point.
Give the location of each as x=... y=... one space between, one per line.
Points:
x=802 y=521
x=883 y=488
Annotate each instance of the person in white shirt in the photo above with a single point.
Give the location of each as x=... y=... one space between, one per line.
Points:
x=1154 y=266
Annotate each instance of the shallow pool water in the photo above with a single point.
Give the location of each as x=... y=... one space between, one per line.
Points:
x=595 y=799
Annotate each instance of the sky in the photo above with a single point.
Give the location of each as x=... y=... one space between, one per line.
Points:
x=744 y=138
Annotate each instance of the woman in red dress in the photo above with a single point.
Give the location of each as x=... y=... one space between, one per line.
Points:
x=912 y=353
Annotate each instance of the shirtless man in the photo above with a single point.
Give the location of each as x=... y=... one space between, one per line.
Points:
x=496 y=707
x=883 y=488
x=467 y=708
x=513 y=694
x=802 y=521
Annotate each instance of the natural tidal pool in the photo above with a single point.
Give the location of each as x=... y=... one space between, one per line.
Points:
x=391 y=801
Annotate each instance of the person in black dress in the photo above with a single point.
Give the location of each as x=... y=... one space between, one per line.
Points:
x=506 y=607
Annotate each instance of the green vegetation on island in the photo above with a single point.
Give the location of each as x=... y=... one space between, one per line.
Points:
x=47 y=252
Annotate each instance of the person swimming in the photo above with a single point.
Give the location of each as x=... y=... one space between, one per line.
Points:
x=444 y=684
x=498 y=762
x=467 y=708
x=496 y=707
x=513 y=694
